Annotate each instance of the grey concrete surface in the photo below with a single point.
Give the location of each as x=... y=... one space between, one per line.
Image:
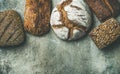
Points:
x=49 y=55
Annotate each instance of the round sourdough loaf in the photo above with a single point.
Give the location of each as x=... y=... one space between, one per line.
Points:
x=70 y=19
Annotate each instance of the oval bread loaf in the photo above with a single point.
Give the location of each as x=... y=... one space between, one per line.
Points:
x=11 y=29
x=37 y=16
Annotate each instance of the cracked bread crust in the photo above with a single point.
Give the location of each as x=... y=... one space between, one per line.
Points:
x=106 y=33
x=11 y=29
x=70 y=20
x=104 y=9
x=37 y=16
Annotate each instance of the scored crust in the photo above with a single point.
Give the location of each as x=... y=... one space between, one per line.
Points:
x=61 y=20
x=11 y=29
x=104 y=9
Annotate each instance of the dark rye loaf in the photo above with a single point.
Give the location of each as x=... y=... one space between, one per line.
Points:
x=104 y=9
x=11 y=29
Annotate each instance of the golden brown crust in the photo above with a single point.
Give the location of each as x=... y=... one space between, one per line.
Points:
x=106 y=33
x=37 y=16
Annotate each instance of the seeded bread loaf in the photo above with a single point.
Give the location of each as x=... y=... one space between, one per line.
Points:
x=106 y=33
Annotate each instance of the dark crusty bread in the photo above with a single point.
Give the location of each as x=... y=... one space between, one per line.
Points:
x=37 y=16
x=104 y=9
x=106 y=33
x=11 y=29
